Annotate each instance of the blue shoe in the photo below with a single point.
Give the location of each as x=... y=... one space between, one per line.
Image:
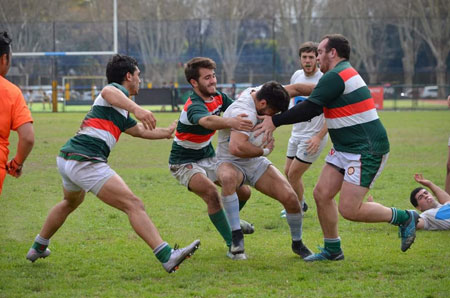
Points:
x=325 y=255
x=407 y=230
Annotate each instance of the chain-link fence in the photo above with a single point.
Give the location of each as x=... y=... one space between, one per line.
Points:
x=247 y=51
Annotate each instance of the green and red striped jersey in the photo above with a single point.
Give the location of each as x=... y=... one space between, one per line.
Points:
x=99 y=131
x=349 y=109
x=192 y=141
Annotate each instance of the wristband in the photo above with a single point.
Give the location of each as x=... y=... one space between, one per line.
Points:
x=266 y=151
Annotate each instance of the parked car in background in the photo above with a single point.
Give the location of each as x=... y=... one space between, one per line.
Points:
x=407 y=93
x=430 y=92
x=88 y=95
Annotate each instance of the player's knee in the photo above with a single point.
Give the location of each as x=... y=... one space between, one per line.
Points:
x=228 y=180
x=133 y=204
x=244 y=193
x=290 y=177
x=347 y=212
x=286 y=172
x=72 y=202
x=448 y=167
x=212 y=198
x=290 y=202
x=318 y=194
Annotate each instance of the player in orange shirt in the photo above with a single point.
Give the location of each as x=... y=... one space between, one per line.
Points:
x=14 y=115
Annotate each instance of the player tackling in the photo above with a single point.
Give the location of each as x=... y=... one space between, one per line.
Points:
x=360 y=149
x=82 y=163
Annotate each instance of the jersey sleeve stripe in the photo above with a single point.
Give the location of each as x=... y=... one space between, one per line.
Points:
x=187 y=104
x=353 y=84
x=348 y=73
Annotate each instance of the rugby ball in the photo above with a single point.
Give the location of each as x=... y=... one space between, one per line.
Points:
x=257 y=141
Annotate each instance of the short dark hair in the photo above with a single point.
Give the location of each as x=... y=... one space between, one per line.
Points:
x=276 y=96
x=412 y=198
x=118 y=67
x=191 y=68
x=5 y=43
x=338 y=42
x=307 y=47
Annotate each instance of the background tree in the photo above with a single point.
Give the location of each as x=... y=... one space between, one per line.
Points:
x=434 y=20
x=296 y=25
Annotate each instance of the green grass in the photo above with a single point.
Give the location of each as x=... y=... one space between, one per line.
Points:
x=97 y=254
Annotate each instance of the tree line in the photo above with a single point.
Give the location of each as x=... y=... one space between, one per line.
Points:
x=252 y=40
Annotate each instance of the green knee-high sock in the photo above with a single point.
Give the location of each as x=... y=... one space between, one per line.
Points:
x=242 y=204
x=399 y=216
x=220 y=221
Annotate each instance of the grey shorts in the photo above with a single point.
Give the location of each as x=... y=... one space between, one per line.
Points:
x=298 y=147
x=184 y=172
x=252 y=168
x=84 y=175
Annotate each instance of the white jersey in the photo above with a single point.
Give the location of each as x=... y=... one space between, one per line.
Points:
x=313 y=126
x=243 y=105
x=437 y=218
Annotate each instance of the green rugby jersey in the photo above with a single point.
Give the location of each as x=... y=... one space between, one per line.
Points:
x=192 y=141
x=350 y=112
x=99 y=131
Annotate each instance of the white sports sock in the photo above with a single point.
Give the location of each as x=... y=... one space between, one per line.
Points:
x=295 y=221
x=231 y=206
x=42 y=240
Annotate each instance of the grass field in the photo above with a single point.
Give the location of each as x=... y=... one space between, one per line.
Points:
x=96 y=253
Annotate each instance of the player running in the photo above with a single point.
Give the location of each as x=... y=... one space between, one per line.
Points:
x=82 y=163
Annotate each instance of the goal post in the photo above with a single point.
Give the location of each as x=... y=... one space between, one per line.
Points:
x=77 y=89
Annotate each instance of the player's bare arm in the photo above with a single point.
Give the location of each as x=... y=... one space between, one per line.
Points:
x=24 y=146
x=301 y=112
x=440 y=194
x=314 y=142
x=216 y=122
x=241 y=147
x=299 y=89
x=157 y=133
x=116 y=97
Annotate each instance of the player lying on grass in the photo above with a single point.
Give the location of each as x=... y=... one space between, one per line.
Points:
x=82 y=163
x=435 y=215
